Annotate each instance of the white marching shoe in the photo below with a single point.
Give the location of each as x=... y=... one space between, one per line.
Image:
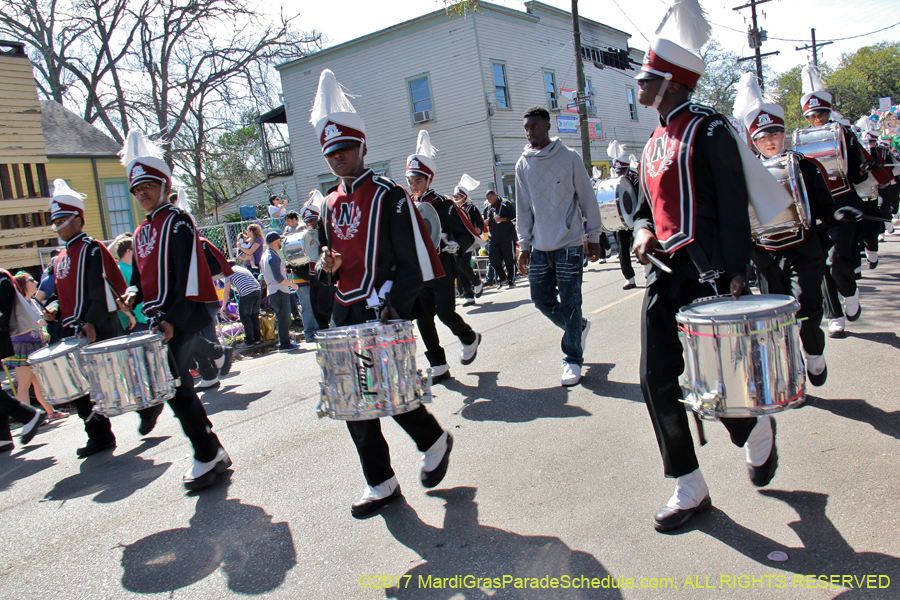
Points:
x=203 y=474
x=816 y=369
x=762 y=454
x=691 y=497
x=852 y=309
x=375 y=498
x=470 y=351
x=836 y=328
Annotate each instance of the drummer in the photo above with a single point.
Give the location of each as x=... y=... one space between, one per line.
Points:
x=392 y=257
x=321 y=297
x=85 y=271
x=438 y=296
x=793 y=263
x=706 y=184
x=468 y=282
x=174 y=283
x=841 y=293
x=622 y=168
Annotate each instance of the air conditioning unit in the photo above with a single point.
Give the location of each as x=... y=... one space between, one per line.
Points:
x=554 y=104
x=422 y=116
x=592 y=111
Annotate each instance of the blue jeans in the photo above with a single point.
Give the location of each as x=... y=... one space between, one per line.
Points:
x=560 y=271
x=310 y=326
x=281 y=304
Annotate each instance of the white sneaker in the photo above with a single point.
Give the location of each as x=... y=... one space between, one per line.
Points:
x=478 y=289
x=871 y=258
x=571 y=374
x=432 y=457
x=205 y=384
x=836 y=327
x=851 y=306
x=690 y=491
x=759 y=444
x=380 y=491
x=470 y=351
x=584 y=333
x=202 y=474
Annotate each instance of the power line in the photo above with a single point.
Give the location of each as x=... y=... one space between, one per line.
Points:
x=630 y=21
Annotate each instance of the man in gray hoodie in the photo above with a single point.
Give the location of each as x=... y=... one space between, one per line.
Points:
x=554 y=199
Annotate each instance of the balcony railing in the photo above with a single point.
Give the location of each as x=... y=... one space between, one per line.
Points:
x=279 y=161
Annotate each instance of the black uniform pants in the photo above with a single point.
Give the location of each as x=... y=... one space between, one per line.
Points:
x=10 y=407
x=321 y=297
x=466 y=277
x=206 y=353
x=870 y=230
x=419 y=424
x=186 y=404
x=623 y=241
x=438 y=298
x=797 y=272
x=840 y=267
x=502 y=256
x=662 y=362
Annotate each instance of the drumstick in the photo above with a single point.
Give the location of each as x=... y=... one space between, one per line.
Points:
x=665 y=268
x=879 y=219
x=116 y=295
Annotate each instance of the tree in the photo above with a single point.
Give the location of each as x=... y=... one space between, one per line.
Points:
x=861 y=78
x=718 y=85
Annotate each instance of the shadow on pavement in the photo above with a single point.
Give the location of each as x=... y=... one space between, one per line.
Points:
x=465 y=547
x=596 y=380
x=824 y=550
x=885 y=422
x=220 y=400
x=16 y=467
x=254 y=553
x=111 y=477
x=488 y=401
x=888 y=338
x=491 y=305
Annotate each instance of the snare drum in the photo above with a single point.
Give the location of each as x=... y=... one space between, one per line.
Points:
x=59 y=370
x=825 y=144
x=743 y=357
x=128 y=373
x=294 y=249
x=786 y=169
x=369 y=371
x=618 y=203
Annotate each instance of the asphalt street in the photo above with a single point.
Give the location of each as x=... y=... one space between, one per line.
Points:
x=546 y=485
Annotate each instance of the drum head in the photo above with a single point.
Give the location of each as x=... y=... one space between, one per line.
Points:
x=724 y=308
x=432 y=222
x=132 y=340
x=63 y=346
x=627 y=201
x=294 y=249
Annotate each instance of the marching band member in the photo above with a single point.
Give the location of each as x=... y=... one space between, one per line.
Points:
x=320 y=296
x=373 y=243
x=888 y=190
x=468 y=281
x=86 y=305
x=843 y=257
x=171 y=277
x=31 y=417
x=695 y=212
x=622 y=168
x=438 y=296
x=792 y=263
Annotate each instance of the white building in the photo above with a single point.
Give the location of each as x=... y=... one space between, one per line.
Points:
x=468 y=81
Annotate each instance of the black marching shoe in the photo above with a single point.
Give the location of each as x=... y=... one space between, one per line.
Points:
x=818 y=380
x=670 y=519
x=94 y=446
x=149 y=416
x=434 y=477
x=365 y=508
x=761 y=476
x=30 y=429
x=202 y=475
x=226 y=366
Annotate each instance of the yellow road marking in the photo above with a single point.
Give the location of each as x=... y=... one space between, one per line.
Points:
x=619 y=301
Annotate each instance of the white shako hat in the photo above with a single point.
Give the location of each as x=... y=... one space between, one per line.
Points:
x=673 y=61
x=422 y=162
x=815 y=98
x=616 y=152
x=466 y=185
x=65 y=201
x=334 y=118
x=143 y=161
x=758 y=116
x=313 y=206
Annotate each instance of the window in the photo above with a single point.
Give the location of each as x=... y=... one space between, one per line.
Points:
x=632 y=105
x=611 y=57
x=381 y=168
x=119 y=208
x=501 y=89
x=420 y=99
x=550 y=88
x=509 y=185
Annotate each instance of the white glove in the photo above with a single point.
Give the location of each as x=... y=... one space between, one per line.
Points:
x=451 y=248
x=848 y=214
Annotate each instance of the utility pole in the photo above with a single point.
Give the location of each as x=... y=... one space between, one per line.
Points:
x=814 y=47
x=755 y=38
x=582 y=108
